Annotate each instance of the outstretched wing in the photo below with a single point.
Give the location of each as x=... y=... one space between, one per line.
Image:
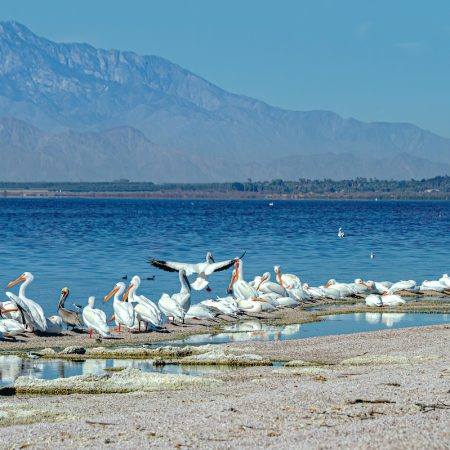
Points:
x=173 y=266
x=221 y=265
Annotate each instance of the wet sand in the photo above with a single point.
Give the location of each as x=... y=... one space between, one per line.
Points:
x=385 y=389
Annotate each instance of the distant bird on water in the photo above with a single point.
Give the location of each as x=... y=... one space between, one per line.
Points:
x=372 y=256
x=125 y=277
x=341 y=233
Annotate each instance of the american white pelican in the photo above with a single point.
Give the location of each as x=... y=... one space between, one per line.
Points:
x=359 y=287
x=124 y=313
x=10 y=327
x=203 y=269
x=408 y=285
x=241 y=289
x=9 y=310
x=445 y=280
x=391 y=299
x=313 y=292
x=287 y=280
x=54 y=325
x=183 y=298
x=374 y=300
x=95 y=319
x=433 y=285
x=265 y=286
x=170 y=307
x=146 y=310
x=33 y=311
x=69 y=317
x=201 y=312
x=344 y=289
x=250 y=306
x=287 y=302
x=374 y=286
x=223 y=306
x=330 y=292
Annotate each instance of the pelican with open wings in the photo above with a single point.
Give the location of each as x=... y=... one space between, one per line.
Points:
x=203 y=269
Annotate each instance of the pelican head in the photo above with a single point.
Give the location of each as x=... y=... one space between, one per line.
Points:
x=330 y=283
x=64 y=294
x=265 y=277
x=184 y=278
x=91 y=301
x=210 y=258
x=26 y=276
x=234 y=277
x=134 y=284
x=118 y=288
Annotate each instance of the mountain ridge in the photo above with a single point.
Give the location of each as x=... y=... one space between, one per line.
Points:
x=59 y=87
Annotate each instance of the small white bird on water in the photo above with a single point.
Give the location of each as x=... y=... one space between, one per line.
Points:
x=341 y=233
x=372 y=255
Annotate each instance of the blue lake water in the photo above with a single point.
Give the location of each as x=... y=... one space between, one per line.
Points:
x=89 y=244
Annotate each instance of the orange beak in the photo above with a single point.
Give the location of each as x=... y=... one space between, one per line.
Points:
x=259 y=300
x=125 y=295
x=279 y=278
x=13 y=283
x=110 y=294
x=233 y=279
x=328 y=284
x=261 y=282
x=113 y=317
x=367 y=285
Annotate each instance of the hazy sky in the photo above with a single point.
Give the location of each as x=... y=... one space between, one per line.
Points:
x=373 y=60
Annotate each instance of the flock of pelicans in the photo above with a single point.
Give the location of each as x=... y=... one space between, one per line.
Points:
x=135 y=312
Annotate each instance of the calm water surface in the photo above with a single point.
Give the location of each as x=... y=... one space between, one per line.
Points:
x=89 y=244
x=254 y=330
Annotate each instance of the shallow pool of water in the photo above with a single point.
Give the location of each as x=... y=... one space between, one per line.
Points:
x=255 y=330
x=12 y=367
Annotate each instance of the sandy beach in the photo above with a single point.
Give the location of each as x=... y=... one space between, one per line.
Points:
x=368 y=390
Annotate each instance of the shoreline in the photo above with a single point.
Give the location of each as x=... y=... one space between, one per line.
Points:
x=210 y=195
x=282 y=317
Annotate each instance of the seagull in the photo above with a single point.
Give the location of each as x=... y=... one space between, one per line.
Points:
x=203 y=269
x=341 y=233
x=372 y=256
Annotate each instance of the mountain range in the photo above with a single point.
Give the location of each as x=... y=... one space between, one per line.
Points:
x=72 y=112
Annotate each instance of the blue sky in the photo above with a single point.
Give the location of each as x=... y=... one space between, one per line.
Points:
x=373 y=60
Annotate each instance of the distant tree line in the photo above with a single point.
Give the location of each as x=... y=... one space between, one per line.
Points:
x=301 y=186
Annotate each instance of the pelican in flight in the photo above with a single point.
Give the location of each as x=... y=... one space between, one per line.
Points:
x=69 y=317
x=123 y=311
x=95 y=319
x=33 y=312
x=202 y=269
x=146 y=310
